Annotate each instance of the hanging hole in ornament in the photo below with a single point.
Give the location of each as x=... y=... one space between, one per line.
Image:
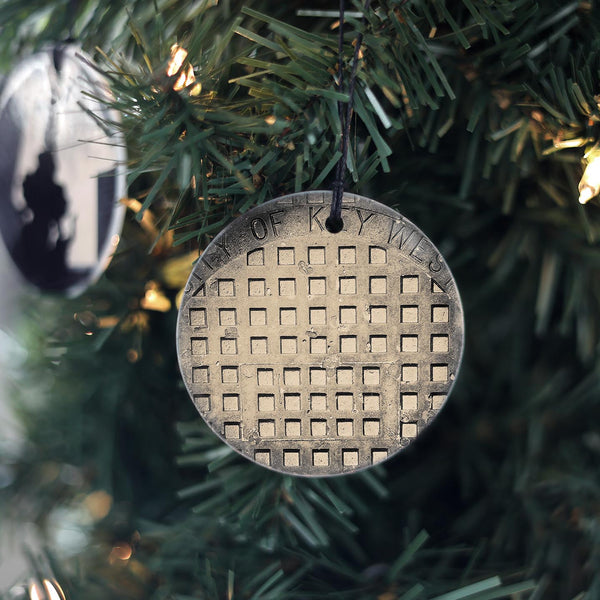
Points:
x=334 y=224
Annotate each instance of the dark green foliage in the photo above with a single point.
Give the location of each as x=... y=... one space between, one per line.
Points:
x=471 y=118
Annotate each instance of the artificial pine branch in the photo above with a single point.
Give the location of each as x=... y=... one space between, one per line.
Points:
x=498 y=101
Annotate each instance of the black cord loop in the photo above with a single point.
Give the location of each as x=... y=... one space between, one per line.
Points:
x=334 y=222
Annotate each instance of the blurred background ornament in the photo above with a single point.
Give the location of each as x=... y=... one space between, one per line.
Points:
x=61 y=170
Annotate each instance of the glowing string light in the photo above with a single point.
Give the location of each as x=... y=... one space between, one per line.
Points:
x=53 y=590
x=154 y=299
x=34 y=592
x=186 y=76
x=121 y=552
x=589 y=186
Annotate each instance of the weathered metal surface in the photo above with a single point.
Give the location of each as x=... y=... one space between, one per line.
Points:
x=314 y=353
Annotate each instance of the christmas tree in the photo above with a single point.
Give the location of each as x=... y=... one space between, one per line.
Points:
x=478 y=120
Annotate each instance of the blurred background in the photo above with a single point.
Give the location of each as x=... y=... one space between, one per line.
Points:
x=478 y=121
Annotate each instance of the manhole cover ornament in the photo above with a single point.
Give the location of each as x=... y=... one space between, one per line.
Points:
x=315 y=353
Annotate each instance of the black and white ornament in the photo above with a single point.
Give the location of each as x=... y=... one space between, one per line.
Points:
x=62 y=171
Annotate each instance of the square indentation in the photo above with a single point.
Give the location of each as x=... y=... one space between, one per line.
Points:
x=318 y=402
x=409 y=430
x=409 y=401
x=378 y=343
x=318 y=427
x=347 y=255
x=200 y=289
x=266 y=428
x=437 y=401
x=202 y=402
x=439 y=343
x=256 y=287
x=232 y=431
x=228 y=345
x=287 y=316
x=320 y=458
x=318 y=345
x=410 y=373
x=347 y=315
x=291 y=458
x=409 y=314
x=225 y=287
x=348 y=344
x=439 y=372
x=345 y=427
x=435 y=288
x=266 y=402
x=258 y=345
x=317 y=315
x=291 y=376
x=371 y=401
x=377 y=255
x=378 y=314
x=230 y=375
x=288 y=345
x=347 y=285
x=316 y=255
x=287 y=287
x=317 y=285
x=344 y=375
x=291 y=401
x=200 y=375
x=262 y=457
x=370 y=375
x=409 y=284
x=378 y=454
x=409 y=343
x=378 y=285
x=286 y=256
x=264 y=377
x=199 y=345
x=350 y=458
x=439 y=313
x=344 y=401
x=231 y=402
x=258 y=317
x=256 y=258
x=198 y=317
x=292 y=427
x=371 y=427
x=227 y=317
x=317 y=376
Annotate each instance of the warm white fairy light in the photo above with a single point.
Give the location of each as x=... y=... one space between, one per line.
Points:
x=34 y=592
x=589 y=186
x=186 y=76
x=53 y=590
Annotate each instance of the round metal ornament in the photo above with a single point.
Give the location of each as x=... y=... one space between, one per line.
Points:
x=61 y=170
x=315 y=353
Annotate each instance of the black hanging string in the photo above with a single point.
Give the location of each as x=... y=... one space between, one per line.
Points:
x=334 y=222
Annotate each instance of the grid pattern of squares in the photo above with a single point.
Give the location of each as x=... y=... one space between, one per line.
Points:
x=301 y=351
